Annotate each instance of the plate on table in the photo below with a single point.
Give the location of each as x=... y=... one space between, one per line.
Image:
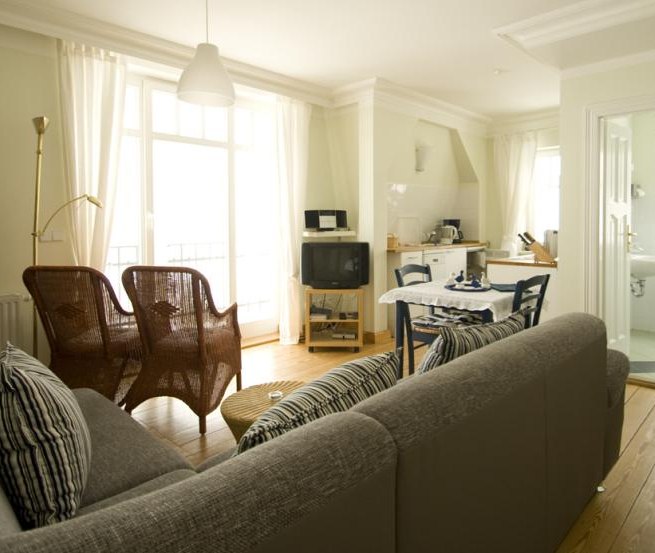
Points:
x=467 y=287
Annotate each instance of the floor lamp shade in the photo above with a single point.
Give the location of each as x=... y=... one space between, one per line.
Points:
x=205 y=80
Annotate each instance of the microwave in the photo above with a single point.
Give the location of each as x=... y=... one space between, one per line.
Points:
x=325 y=219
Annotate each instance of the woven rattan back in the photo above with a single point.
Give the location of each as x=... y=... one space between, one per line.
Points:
x=191 y=350
x=91 y=337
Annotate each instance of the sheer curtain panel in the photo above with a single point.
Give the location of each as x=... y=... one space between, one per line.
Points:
x=514 y=157
x=92 y=84
x=293 y=146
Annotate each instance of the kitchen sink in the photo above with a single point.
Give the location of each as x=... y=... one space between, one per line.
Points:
x=642 y=266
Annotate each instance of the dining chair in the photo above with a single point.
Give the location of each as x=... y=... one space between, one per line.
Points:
x=529 y=297
x=424 y=328
x=191 y=350
x=94 y=342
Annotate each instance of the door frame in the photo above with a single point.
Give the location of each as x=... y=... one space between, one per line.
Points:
x=594 y=212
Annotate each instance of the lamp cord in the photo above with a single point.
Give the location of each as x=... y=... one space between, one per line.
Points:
x=207 y=20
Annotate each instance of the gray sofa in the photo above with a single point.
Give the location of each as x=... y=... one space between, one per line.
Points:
x=497 y=451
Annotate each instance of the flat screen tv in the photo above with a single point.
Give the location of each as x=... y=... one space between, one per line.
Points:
x=335 y=264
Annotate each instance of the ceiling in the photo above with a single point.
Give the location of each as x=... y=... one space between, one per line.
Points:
x=444 y=48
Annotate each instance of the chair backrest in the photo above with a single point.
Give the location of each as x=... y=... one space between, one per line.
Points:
x=529 y=296
x=413 y=269
x=169 y=304
x=76 y=306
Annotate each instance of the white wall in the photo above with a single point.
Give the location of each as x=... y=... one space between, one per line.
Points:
x=28 y=72
x=642 y=309
x=577 y=94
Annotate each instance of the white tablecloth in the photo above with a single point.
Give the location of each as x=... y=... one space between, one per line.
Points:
x=435 y=293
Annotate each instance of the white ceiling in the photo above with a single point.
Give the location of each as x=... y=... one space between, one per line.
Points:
x=444 y=48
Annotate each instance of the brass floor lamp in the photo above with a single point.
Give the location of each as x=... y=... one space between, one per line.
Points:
x=41 y=124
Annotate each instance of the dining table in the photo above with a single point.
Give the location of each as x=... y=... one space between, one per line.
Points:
x=495 y=302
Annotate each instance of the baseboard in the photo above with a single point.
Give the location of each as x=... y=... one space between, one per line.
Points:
x=377 y=337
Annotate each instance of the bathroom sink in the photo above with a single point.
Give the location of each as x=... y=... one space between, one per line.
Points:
x=642 y=266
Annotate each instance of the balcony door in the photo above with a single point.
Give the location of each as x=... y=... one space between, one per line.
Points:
x=198 y=189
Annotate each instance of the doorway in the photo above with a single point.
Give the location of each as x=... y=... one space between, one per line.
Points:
x=607 y=264
x=642 y=250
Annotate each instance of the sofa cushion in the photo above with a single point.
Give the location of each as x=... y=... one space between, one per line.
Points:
x=337 y=390
x=125 y=454
x=8 y=522
x=45 y=448
x=455 y=341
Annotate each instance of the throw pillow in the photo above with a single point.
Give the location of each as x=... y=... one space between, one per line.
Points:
x=45 y=447
x=337 y=390
x=453 y=341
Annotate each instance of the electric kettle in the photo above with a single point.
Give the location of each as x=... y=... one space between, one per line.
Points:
x=448 y=234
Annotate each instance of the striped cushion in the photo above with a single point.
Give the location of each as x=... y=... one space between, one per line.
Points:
x=337 y=390
x=45 y=446
x=453 y=342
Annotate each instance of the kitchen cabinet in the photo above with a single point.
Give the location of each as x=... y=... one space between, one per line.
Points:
x=444 y=262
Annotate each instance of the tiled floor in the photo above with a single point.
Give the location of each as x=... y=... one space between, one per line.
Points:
x=642 y=345
x=642 y=348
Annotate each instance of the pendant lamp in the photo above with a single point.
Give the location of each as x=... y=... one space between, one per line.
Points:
x=205 y=80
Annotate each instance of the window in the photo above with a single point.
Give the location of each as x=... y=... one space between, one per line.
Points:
x=197 y=188
x=545 y=204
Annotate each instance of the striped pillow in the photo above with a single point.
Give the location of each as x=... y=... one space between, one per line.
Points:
x=453 y=342
x=338 y=390
x=45 y=447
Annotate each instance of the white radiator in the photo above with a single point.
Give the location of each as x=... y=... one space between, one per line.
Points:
x=10 y=315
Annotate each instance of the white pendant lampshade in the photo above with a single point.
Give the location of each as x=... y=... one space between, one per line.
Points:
x=205 y=80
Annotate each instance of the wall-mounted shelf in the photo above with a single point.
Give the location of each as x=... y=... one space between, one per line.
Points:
x=328 y=233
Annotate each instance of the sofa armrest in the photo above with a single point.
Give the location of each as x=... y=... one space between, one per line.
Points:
x=328 y=486
x=618 y=367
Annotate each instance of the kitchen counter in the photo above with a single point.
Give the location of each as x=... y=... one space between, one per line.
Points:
x=436 y=247
x=522 y=261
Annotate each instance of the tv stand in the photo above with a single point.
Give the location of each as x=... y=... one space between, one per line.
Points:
x=334 y=318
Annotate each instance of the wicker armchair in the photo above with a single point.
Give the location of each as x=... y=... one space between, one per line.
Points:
x=191 y=351
x=94 y=342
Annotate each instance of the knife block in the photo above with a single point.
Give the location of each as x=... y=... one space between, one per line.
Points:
x=541 y=254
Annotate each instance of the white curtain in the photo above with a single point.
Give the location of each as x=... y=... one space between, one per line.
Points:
x=293 y=146
x=514 y=157
x=92 y=84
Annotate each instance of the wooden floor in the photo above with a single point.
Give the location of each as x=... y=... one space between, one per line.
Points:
x=620 y=520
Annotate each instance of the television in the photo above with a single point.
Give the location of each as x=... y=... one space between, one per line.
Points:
x=334 y=264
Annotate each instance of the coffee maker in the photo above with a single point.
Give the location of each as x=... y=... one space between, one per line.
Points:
x=454 y=223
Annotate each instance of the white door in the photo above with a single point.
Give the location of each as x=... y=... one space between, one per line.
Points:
x=616 y=168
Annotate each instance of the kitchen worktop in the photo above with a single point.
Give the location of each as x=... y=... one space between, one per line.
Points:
x=429 y=246
x=522 y=261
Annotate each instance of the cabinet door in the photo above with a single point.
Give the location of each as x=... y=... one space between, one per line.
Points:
x=455 y=261
x=438 y=265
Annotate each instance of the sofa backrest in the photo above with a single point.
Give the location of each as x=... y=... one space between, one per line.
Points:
x=325 y=487
x=500 y=449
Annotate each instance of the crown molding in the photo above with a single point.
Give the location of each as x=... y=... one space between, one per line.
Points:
x=534 y=121
x=35 y=17
x=575 y=20
x=397 y=98
x=608 y=65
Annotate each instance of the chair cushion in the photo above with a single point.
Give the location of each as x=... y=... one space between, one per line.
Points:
x=45 y=446
x=452 y=318
x=453 y=342
x=337 y=390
